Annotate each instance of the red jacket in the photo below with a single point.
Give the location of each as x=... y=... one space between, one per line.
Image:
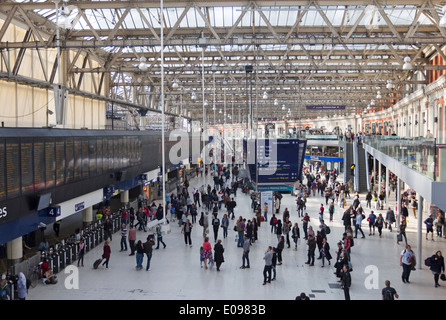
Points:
x=107 y=252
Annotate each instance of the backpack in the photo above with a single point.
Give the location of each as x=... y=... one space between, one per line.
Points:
x=352 y=242
x=200 y=222
x=388 y=295
x=327 y=230
x=428 y=262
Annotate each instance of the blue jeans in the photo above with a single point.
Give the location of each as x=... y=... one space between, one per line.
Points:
x=149 y=257
x=240 y=239
x=123 y=243
x=139 y=259
x=160 y=239
x=245 y=258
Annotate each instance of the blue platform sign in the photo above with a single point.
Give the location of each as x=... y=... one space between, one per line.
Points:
x=52 y=211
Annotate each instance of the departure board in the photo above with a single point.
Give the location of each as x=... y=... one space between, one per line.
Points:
x=69 y=159
x=60 y=161
x=99 y=156
x=77 y=147
x=39 y=165
x=13 y=168
x=32 y=164
x=85 y=159
x=50 y=163
x=2 y=170
x=26 y=163
x=92 y=155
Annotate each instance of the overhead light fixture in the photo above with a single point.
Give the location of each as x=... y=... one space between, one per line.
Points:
x=407 y=65
x=142 y=64
x=276 y=102
x=265 y=95
x=283 y=107
x=389 y=84
x=219 y=111
x=379 y=96
x=372 y=103
x=206 y=102
x=194 y=96
x=175 y=84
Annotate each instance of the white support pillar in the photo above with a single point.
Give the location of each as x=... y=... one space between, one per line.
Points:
x=87 y=216
x=14 y=250
x=419 y=230
x=398 y=206
x=125 y=197
x=387 y=190
x=379 y=177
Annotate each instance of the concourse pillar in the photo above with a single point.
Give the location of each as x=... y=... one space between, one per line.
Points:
x=387 y=190
x=379 y=177
x=87 y=216
x=419 y=230
x=398 y=206
x=125 y=198
x=14 y=249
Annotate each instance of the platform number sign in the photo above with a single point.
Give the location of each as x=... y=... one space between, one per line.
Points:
x=53 y=211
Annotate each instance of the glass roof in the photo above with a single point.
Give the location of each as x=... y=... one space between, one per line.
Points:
x=226 y=17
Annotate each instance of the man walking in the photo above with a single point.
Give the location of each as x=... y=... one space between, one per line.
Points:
x=123 y=237
x=346 y=282
x=268 y=265
x=245 y=257
x=311 y=248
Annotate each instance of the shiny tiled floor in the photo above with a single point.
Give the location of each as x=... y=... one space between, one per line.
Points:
x=176 y=273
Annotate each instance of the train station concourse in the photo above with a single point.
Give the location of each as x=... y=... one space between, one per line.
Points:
x=222 y=151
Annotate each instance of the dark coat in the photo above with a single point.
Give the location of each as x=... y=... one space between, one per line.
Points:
x=437 y=264
x=218 y=253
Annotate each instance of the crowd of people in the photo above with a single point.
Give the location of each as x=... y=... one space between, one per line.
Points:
x=217 y=206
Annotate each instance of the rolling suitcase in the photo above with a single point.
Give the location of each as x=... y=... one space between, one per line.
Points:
x=97 y=263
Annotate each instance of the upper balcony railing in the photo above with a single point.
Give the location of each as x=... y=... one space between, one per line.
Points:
x=420 y=154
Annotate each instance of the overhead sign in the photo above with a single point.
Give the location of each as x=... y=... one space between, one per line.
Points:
x=322 y=107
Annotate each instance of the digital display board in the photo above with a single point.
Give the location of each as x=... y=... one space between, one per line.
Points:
x=39 y=165
x=33 y=164
x=50 y=163
x=277 y=160
x=26 y=163
x=2 y=170
x=13 y=168
x=60 y=161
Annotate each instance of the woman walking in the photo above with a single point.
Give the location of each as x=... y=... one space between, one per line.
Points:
x=207 y=253
x=437 y=266
x=106 y=253
x=380 y=224
x=295 y=234
x=218 y=254
x=325 y=252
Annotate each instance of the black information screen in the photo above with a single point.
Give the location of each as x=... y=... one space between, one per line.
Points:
x=33 y=164
x=39 y=165
x=13 y=168
x=26 y=162
x=50 y=163
x=2 y=170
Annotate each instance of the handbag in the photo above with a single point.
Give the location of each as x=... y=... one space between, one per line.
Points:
x=443 y=277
